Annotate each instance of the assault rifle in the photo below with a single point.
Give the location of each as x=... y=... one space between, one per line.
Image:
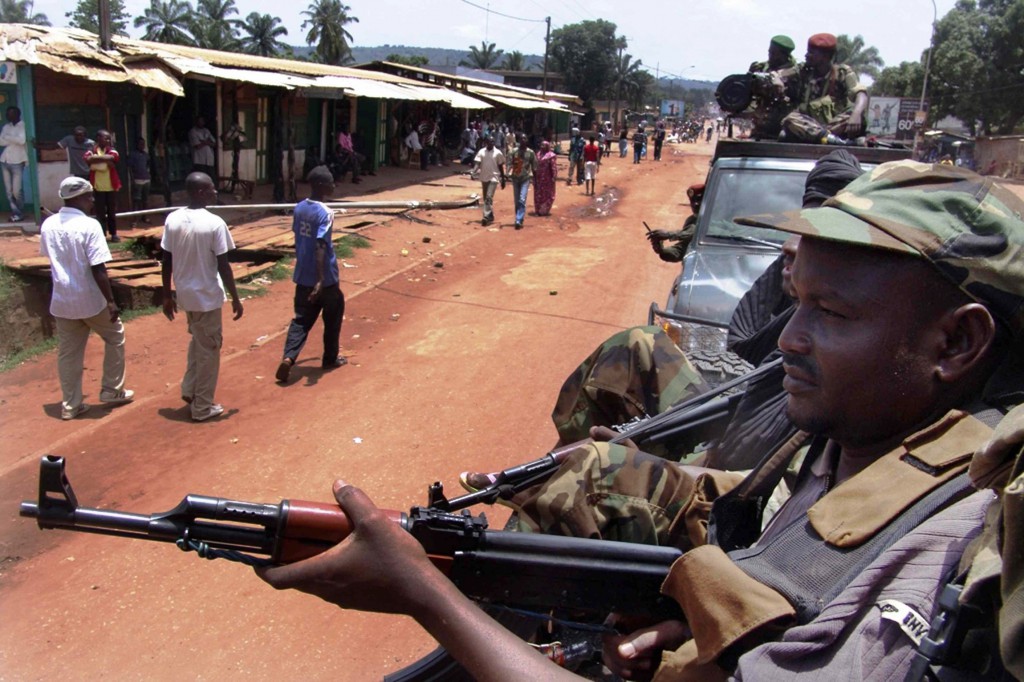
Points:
x=518 y=570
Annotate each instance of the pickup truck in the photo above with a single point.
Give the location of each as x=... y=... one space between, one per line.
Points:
x=724 y=258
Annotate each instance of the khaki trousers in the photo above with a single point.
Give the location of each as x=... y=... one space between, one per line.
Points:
x=200 y=379
x=71 y=339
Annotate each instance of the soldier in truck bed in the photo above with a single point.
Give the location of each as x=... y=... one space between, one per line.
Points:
x=828 y=97
x=934 y=308
x=780 y=56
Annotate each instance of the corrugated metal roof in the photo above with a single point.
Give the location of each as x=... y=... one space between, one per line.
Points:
x=469 y=81
x=510 y=100
x=77 y=53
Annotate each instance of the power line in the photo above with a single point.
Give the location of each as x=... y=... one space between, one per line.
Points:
x=507 y=16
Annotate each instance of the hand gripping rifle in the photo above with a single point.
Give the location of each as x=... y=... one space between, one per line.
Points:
x=517 y=570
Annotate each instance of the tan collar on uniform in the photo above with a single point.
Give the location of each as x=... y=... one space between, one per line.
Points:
x=856 y=510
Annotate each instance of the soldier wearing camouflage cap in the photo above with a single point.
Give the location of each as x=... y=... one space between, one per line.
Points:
x=899 y=358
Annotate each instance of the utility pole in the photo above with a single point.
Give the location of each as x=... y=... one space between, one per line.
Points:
x=547 y=46
x=104 y=23
x=927 y=69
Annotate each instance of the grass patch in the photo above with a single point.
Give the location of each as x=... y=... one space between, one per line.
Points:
x=343 y=248
x=15 y=359
x=134 y=246
x=9 y=282
x=281 y=270
x=135 y=313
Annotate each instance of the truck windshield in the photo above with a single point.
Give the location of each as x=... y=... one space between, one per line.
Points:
x=746 y=192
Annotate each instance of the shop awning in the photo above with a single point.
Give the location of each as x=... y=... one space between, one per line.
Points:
x=516 y=102
x=198 y=67
x=335 y=87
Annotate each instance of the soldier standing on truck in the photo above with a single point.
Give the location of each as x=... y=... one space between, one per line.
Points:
x=829 y=98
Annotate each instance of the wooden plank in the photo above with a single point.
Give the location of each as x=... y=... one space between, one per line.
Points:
x=239 y=270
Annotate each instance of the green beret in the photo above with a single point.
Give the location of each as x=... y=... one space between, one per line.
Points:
x=785 y=42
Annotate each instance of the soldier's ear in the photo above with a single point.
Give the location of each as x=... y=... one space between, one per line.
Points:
x=967 y=334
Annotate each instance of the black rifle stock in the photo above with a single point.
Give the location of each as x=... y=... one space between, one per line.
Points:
x=518 y=570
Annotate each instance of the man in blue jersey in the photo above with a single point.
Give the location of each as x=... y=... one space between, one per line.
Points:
x=316 y=276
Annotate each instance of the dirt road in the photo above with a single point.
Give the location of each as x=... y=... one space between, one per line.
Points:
x=457 y=351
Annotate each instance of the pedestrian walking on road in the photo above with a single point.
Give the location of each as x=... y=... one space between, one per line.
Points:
x=82 y=300
x=317 y=286
x=524 y=165
x=639 y=143
x=489 y=165
x=576 y=144
x=196 y=244
x=545 y=180
x=623 y=142
x=591 y=158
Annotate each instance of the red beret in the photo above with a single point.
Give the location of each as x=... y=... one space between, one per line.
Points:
x=822 y=41
x=695 y=190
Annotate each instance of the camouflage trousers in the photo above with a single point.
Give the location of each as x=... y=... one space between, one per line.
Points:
x=638 y=372
x=611 y=492
x=803 y=128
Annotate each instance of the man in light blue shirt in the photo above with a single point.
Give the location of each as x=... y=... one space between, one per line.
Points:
x=317 y=288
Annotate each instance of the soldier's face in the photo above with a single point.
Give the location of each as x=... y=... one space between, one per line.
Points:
x=859 y=353
x=818 y=59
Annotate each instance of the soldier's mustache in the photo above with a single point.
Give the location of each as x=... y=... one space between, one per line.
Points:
x=802 y=363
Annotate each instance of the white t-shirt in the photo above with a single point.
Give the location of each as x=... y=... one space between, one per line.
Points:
x=12 y=138
x=194 y=238
x=74 y=243
x=203 y=156
x=488 y=162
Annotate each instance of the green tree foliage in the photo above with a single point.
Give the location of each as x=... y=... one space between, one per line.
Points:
x=410 y=60
x=21 y=12
x=260 y=33
x=165 y=21
x=977 y=68
x=212 y=25
x=86 y=16
x=514 y=61
x=864 y=60
x=326 y=20
x=904 y=80
x=484 y=57
x=638 y=88
x=585 y=55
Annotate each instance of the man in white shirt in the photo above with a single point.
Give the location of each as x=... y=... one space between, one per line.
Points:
x=202 y=142
x=195 y=244
x=13 y=160
x=82 y=299
x=489 y=163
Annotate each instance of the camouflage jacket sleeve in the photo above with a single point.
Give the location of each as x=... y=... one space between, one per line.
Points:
x=848 y=85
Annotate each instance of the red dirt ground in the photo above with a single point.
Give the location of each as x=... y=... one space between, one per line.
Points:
x=451 y=368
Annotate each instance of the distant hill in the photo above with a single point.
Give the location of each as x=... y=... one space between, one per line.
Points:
x=440 y=56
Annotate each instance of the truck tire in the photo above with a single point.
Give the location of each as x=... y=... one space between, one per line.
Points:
x=718 y=367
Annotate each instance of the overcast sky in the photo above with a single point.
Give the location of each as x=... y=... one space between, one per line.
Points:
x=705 y=40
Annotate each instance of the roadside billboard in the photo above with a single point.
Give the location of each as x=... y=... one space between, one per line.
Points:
x=672 y=107
x=883 y=115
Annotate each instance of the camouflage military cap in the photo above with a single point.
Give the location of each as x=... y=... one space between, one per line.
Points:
x=785 y=42
x=968 y=226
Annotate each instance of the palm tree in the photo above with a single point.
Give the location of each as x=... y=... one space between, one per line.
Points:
x=164 y=21
x=484 y=57
x=211 y=26
x=327 y=20
x=514 y=61
x=865 y=61
x=625 y=69
x=21 y=12
x=261 y=35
